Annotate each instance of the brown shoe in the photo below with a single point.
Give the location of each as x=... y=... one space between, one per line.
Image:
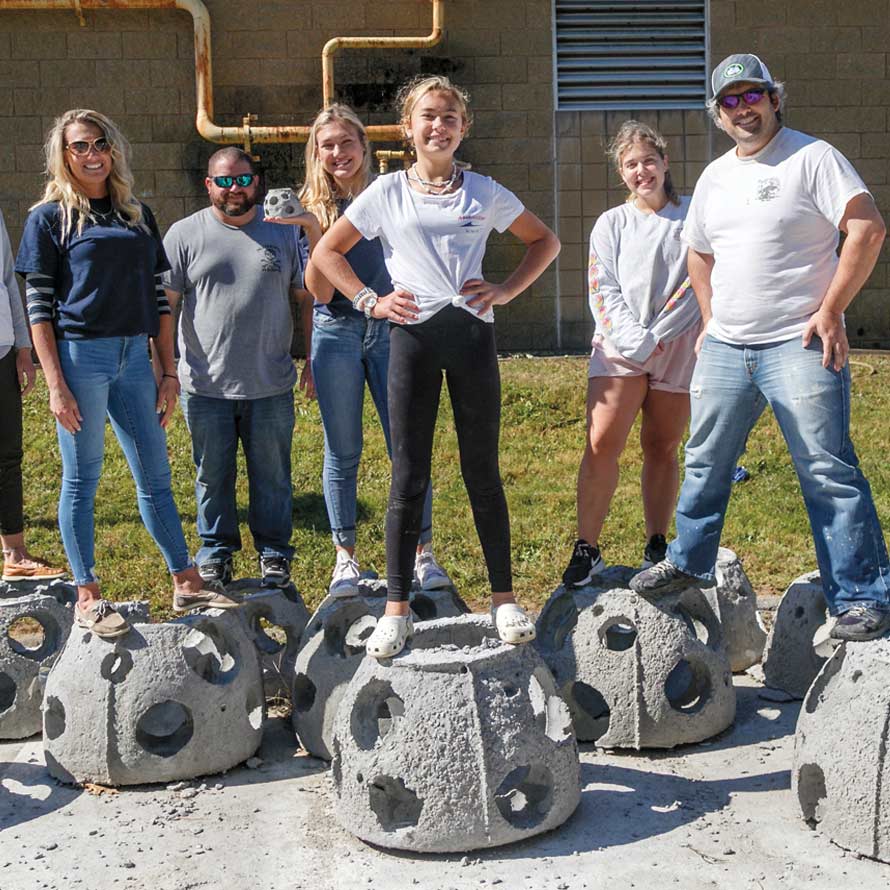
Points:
x=102 y=619
x=30 y=569
x=210 y=596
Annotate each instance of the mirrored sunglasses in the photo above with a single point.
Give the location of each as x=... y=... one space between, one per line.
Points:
x=82 y=147
x=226 y=182
x=749 y=97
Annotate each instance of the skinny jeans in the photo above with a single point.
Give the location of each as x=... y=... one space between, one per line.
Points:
x=462 y=346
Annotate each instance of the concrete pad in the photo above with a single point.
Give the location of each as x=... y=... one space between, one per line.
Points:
x=841 y=772
x=458 y=743
x=735 y=604
x=165 y=701
x=333 y=646
x=790 y=659
x=635 y=673
x=26 y=655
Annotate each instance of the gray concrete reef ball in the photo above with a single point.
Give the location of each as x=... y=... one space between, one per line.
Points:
x=333 y=646
x=457 y=743
x=735 y=604
x=634 y=673
x=841 y=771
x=33 y=630
x=164 y=702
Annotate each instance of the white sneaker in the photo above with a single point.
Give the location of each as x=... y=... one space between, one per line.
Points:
x=428 y=574
x=389 y=636
x=345 y=577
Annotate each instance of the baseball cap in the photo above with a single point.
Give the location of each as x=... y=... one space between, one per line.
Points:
x=739 y=68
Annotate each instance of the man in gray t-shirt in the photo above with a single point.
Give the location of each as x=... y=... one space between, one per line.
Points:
x=234 y=276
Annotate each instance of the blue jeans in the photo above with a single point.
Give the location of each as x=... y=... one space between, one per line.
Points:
x=113 y=375
x=266 y=429
x=346 y=352
x=730 y=388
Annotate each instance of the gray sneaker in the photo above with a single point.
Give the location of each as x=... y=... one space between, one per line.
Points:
x=217 y=571
x=663 y=578
x=210 y=596
x=102 y=619
x=861 y=623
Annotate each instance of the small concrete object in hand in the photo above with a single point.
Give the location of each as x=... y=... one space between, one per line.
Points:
x=282 y=204
x=459 y=742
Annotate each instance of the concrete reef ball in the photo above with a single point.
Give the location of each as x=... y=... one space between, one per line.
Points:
x=634 y=673
x=459 y=742
x=164 y=702
x=735 y=604
x=275 y=619
x=281 y=203
x=333 y=646
x=790 y=660
x=33 y=630
x=841 y=771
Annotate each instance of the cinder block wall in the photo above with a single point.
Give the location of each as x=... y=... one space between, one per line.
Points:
x=833 y=58
x=138 y=67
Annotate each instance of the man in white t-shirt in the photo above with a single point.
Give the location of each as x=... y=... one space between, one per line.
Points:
x=763 y=230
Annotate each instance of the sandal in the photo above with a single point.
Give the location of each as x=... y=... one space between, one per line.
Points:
x=512 y=624
x=390 y=636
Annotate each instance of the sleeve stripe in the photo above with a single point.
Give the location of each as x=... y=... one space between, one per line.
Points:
x=161 y=295
x=40 y=296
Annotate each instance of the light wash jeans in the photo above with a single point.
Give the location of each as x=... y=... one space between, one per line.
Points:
x=346 y=352
x=265 y=428
x=730 y=388
x=113 y=375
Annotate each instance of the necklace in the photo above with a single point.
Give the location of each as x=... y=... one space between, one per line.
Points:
x=432 y=187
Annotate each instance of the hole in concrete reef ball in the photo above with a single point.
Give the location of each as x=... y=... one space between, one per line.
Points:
x=811 y=793
x=694 y=624
x=116 y=665
x=590 y=711
x=8 y=690
x=268 y=637
x=826 y=675
x=618 y=634
x=525 y=796
x=358 y=633
x=376 y=710
x=165 y=728
x=304 y=693
x=346 y=630
x=26 y=635
x=53 y=717
x=210 y=653
x=423 y=607
x=688 y=686
x=394 y=805
x=510 y=690
x=856 y=676
x=557 y=621
x=799 y=612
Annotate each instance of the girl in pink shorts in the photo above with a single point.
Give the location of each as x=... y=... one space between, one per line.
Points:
x=647 y=326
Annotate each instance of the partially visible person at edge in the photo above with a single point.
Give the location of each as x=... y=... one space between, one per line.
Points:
x=433 y=221
x=349 y=349
x=647 y=322
x=236 y=276
x=16 y=380
x=92 y=258
x=762 y=232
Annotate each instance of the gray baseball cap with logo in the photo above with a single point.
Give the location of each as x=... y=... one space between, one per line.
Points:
x=739 y=68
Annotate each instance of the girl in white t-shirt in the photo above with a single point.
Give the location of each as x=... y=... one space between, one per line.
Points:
x=647 y=321
x=433 y=221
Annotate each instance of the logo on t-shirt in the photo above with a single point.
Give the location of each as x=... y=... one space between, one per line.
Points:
x=269 y=257
x=767 y=189
x=470 y=221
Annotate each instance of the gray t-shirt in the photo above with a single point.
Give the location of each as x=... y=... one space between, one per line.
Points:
x=235 y=325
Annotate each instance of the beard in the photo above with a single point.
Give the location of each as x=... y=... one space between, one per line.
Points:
x=236 y=205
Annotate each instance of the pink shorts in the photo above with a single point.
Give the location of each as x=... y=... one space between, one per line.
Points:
x=669 y=370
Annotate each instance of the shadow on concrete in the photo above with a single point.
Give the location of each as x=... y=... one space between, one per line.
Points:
x=27 y=791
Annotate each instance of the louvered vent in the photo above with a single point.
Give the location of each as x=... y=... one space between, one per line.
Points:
x=630 y=54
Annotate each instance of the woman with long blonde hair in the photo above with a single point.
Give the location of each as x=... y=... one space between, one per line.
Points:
x=348 y=349
x=92 y=258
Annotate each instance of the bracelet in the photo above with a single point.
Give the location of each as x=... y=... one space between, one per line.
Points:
x=174 y=376
x=358 y=300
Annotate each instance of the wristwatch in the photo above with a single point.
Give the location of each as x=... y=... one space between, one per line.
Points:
x=365 y=300
x=369 y=303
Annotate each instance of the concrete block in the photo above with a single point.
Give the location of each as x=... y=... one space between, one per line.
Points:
x=275 y=620
x=841 y=771
x=33 y=630
x=333 y=646
x=65 y=593
x=735 y=604
x=164 y=702
x=790 y=659
x=634 y=673
x=459 y=742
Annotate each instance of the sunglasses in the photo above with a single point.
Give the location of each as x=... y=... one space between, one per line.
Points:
x=226 y=182
x=81 y=148
x=749 y=97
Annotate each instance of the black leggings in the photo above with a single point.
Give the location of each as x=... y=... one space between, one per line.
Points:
x=456 y=342
x=11 y=520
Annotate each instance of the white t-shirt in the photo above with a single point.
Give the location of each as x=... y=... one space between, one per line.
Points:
x=433 y=244
x=771 y=222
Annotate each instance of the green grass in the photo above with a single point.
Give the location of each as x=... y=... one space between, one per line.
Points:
x=542 y=436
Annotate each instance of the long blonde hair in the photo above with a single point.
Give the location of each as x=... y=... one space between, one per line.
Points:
x=61 y=186
x=631 y=132
x=319 y=193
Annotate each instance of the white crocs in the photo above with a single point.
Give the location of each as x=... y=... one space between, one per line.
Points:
x=512 y=624
x=390 y=636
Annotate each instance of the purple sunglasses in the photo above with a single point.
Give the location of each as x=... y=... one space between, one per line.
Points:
x=750 y=97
